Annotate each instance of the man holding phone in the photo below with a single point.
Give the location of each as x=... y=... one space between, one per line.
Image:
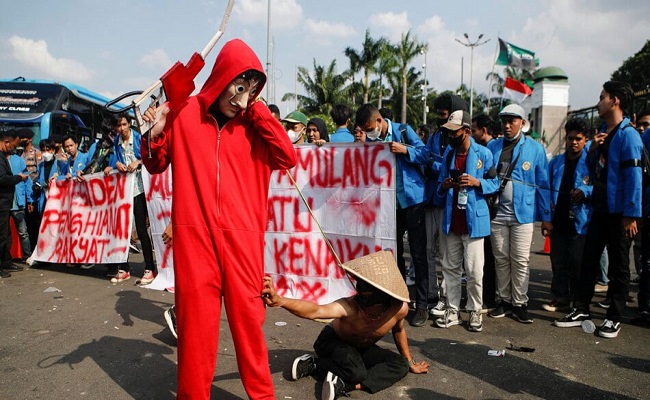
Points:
x=468 y=170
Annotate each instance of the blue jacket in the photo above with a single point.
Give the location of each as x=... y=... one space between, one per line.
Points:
x=624 y=177
x=410 y=181
x=581 y=180
x=342 y=135
x=436 y=152
x=532 y=203
x=23 y=192
x=79 y=163
x=645 y=138
x=480 y=165
x=118 y=154
x=59 y=167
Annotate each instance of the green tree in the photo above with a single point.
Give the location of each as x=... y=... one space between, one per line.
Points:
x=636 y=69
x=324 y=89
x=406 y=50
x=413 y=94
x=366 y=59
x=386 y=65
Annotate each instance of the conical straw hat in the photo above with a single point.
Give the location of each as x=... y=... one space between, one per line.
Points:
x=380 y=270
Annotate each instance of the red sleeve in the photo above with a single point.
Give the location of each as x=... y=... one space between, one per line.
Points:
x=282 y=154
x=159 y=159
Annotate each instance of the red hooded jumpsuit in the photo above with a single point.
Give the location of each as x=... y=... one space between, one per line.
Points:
x=219 y=215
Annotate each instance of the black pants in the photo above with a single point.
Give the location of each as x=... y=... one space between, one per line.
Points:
x=566 y=259
x=33 y=221
x=489 y=275
x=411 y=219
x=140 y=215
x=605 y=230
x=644 y=282
x=375 y=368
x=5 y=238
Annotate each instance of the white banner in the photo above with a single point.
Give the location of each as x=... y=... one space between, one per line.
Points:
x=87 y=222
x=351 y=190
x=158 y=190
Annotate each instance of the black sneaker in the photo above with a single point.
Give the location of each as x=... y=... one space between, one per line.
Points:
x=574 y=318
x=304 y=365
x=4 y=274
x=521 y=314
x=333 y=387
x=605 y=303
x=170 y=317
x=504 y=308
x=609 y=329
x=420 y=317
x=12 y=267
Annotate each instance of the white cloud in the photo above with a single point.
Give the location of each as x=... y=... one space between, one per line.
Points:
x=156 y=59
x=34 y=54
x=330 y=29
x=285 y=14
x=389 y=25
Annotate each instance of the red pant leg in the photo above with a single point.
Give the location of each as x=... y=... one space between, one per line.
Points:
x=243 y=272
x=198 y=278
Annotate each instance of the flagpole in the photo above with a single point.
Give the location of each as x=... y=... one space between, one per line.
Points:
x=496 y=52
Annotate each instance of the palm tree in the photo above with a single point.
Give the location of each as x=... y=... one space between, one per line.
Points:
x=412 y=94
x=324 y=89
x=406 y=50
x=366 y=59
x=387 y=64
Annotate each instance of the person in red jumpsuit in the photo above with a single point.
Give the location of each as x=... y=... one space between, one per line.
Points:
x=222 y=144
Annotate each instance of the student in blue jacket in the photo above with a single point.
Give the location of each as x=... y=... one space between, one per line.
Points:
x=523 y=199
x=77 y=160
x=615 y=169
x=410 y=154
x=467 y=174
x=22 y=203
x=570 y=204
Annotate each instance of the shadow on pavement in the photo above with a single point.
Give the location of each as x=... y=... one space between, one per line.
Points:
x=515 y=375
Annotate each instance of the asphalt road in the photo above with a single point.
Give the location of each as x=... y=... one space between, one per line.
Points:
x=98 y=340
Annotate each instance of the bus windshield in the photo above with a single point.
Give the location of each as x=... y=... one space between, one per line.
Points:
x=30 y=100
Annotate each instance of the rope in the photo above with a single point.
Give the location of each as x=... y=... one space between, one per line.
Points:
x=327 y=241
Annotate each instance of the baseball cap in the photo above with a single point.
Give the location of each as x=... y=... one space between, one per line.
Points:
x=458 y=119
x=515 y=110
x=295 y=117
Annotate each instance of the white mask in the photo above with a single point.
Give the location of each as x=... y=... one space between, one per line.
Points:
x=293 y=135
x=374 y=134
x=48 y=156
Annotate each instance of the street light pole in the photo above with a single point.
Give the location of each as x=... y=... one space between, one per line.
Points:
x=471 y=45
x=424 y=89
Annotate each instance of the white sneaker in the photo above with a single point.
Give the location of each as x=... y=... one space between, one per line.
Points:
x=451 y=318
x=475 y=321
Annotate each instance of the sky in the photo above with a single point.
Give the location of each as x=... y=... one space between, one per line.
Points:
x=117 y=46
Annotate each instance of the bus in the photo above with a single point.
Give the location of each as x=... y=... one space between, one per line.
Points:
x=53 y=109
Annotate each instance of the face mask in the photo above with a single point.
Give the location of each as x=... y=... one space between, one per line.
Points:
x=441 y=121
x=374 y=134
x=48 y=157
x=293 y=135
x=456 y=142
x=376 y=296
x=19 y=151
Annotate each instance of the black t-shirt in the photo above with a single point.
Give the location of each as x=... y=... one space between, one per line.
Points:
x=599 y=194
x=562 y=222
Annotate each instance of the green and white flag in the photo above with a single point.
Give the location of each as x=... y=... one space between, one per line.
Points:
x=514 y=56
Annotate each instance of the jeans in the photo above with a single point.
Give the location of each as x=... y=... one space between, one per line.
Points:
x=21 y=228
x=411 y=219
x=511 y=246
x=375 y=368
x=566 y=260
x=459 y=248
x=604 y=263
x=606 y=229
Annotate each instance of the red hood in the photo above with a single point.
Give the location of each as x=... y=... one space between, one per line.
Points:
x=235 y=58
